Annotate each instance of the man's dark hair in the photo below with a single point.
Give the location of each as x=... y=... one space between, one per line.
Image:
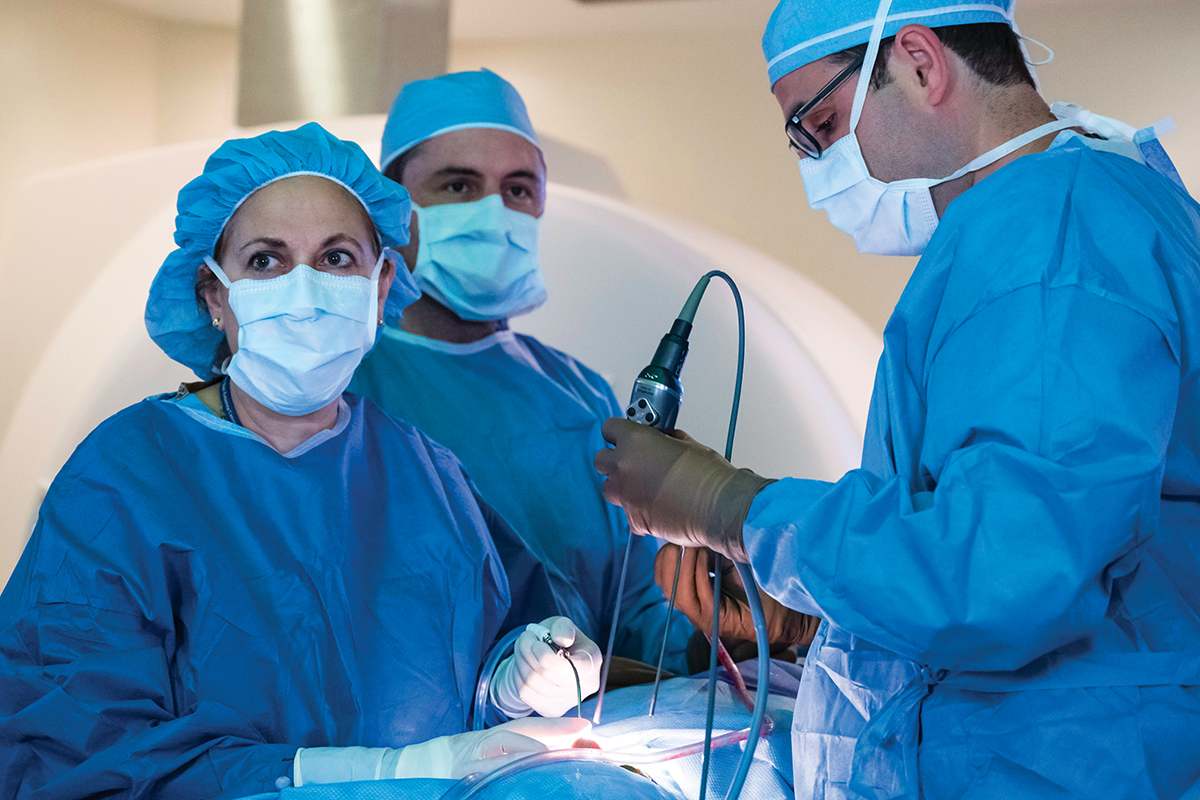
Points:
x=991 y=49
x=395 y=170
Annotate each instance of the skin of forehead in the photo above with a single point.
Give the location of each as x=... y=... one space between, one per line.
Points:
x=492 y=152
x=486 y=149
x=282 y=202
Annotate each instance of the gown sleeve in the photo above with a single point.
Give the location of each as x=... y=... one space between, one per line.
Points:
x=1048 y=417
x=88 y=705
x=533 y=595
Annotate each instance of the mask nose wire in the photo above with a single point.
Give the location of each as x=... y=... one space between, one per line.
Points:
x=868 y=66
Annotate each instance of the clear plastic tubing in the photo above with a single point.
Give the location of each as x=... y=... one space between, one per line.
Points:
x=737 y=682
x=482 y=696
x=475 y=783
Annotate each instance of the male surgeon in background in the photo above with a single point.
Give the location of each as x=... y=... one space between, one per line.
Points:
x=1010 y=585
x=523 y=417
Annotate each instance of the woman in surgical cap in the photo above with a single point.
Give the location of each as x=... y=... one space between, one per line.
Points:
x=261 y=580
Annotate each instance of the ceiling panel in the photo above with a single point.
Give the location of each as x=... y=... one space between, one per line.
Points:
x=504 y=19
x=507 y=19
x=209 y=12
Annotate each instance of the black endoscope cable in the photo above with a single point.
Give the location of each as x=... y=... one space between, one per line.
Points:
x=565 y=654
x=744 y=573
x=716 y=562
x=656 y=396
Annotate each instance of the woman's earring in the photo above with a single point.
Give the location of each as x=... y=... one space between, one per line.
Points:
x=379 y=321
x=217 y=323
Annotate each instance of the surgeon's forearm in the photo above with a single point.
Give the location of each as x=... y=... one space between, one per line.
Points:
x=727 y=516
x=1030 y=508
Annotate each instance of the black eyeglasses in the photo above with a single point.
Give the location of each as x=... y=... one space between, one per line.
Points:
x=800 y=139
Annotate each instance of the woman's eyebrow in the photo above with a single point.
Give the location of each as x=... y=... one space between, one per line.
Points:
x=340 y=237
x=269 y=242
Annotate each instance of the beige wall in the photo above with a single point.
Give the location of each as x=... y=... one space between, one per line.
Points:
x=77 y=81
x=82 y=80
x=684 y=118
x=197 y=81
x=691 y=129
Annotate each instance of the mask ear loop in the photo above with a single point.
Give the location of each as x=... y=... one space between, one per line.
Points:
x=1049 y=53
x=1021 y=41
x=385 y=254
x=868 y=66
x=224 y=279
x=216 y=270
x=1029 y=62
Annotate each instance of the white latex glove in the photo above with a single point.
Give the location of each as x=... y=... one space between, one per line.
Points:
x=537 y=678
x=444 y=757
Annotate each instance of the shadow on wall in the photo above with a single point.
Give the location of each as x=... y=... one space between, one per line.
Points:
x=569 y=165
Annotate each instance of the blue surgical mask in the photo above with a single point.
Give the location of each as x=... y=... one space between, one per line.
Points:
x=480 y=259
x=301 y=335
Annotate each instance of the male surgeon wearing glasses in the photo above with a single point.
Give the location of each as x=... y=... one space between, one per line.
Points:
x=1008 y=585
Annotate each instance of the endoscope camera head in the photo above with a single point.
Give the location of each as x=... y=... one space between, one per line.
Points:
x=655 y=400
x=657 y=391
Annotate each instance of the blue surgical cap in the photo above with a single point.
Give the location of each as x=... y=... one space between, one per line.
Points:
x=453 y=102
x=235 y=171
x=803 y=31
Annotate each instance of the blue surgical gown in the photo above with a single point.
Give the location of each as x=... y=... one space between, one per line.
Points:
x=525 y=420
x=1011 y=582
x=193 y=606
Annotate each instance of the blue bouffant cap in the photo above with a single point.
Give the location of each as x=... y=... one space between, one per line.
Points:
x=235 y=171
x=457 y=101
x=803 y=31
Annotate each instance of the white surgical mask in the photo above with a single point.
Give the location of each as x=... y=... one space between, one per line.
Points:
x=896 y=218
x=480 y=259
x=301 y=335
